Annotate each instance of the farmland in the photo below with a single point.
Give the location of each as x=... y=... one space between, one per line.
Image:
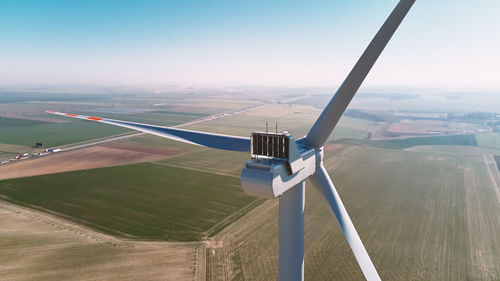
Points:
x=427 y=221
x=214 y=161
x=464 y=140
x=161 y=118
x=12 y=149
x=467 y=140
x=27 y=132
x=426 y=208
x=460 y=150
x=296 y=119
x=22 y=121
x=104 y=155
x=433 y=219
x=491 y=140
x=38 y=246
x=142 y=201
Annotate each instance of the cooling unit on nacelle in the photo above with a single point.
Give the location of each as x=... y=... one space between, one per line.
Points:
x=277 y=163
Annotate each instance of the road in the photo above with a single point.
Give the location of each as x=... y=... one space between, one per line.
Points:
x=197 y=121
x=135 y=134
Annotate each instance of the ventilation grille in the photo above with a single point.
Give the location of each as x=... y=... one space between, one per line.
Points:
x=270 y=145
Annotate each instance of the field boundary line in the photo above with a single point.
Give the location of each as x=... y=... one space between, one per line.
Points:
x=492 y=176
x=79 y=229
x=214 y=230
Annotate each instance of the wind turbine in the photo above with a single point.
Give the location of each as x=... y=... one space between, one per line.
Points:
x=280 y=165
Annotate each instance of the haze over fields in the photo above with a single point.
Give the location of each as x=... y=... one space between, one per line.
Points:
x=416 y=170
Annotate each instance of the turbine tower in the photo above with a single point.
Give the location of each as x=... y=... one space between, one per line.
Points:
x=279 y=165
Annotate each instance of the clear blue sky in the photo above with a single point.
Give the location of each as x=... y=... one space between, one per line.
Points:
x=449 y=44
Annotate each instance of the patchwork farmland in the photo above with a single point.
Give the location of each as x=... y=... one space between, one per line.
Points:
x=444 y=205
x=142 y=201
x=425 y=207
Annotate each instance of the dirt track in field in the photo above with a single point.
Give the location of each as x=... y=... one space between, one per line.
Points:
x=104 y=155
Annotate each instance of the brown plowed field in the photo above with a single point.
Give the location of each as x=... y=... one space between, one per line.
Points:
x=104 y=155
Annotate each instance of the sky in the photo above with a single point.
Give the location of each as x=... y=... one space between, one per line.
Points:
x=448 y=44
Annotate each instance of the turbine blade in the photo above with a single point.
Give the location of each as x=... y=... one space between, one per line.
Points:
x=324 y=184
x=328 y=119
x=211 y=140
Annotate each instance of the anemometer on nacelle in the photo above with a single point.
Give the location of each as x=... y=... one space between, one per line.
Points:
x=278 y=163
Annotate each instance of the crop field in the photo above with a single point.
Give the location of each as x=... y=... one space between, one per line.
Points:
x=141 y=201
x=5 y=155
x=293 y=118
x=421 y=217
x=13 y=150
x=467 y=140
x=23 y=123
x=426 y=208
x=38 y=246
x=13 y=122
x=460 y=150
x=66 y=130
x=423 y=127
x=103 y=155
x=28 y=132
x=489 y=140
x=211 y=160
x=296 y=119
x=159 y=142
x=453 y=140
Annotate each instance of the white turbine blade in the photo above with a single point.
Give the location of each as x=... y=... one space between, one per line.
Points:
x=218 y=141
x=338 y=104
x=324 y=184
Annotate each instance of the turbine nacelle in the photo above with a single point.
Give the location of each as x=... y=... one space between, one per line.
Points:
x=278 y=163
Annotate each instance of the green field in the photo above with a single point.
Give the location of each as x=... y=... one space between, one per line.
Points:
x=453 y=150
x=156 y=141
x=426 y=208
x=4 y=154
x=28 y=132
x=211 y=160
x=18 y=123
x=465 y=140
x=141 y=201
x=489 y=140
x=174 y=109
